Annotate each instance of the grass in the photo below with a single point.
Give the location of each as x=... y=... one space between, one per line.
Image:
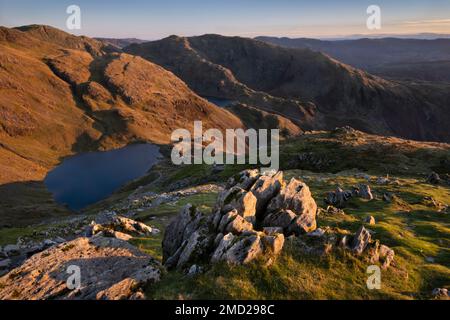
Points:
x=414 y=230
x=409 y=224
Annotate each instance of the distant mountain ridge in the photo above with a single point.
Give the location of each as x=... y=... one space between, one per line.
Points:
x=317 y=91
x=120 y=42
x=382 y=56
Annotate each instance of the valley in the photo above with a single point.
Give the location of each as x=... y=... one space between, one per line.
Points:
x=364 y=174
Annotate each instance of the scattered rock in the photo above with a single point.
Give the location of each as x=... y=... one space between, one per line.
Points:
x=386 y=256
x=338 y=198
x=11 y=250
x=360 y=240
x=429 y=259
x=370 y=220
x=331 y=210
x=440 y=293
x=112 y=225
x=387 y=197
x=365 y=192
x=194 y=270
x=383 y=180
x=361 y=244
x=434 y=178
x=110 y=269
x=317 y=233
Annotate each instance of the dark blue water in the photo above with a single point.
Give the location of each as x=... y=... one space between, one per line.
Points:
x=219 y=101
x=87 y=178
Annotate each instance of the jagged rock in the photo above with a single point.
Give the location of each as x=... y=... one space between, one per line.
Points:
x=440 y=293
x=338 y=198
x=180 y=229
x=244 y=250
x=237 y=198
x=369 y=220
x=302 y=224
x=365 y=192
x=238 y=225
x=264 y=189
x=282 y=219
x=361 y=244
x=273 y=243
x=297 y=198
x=110 y=269
x=387 y=197
x=360 y=240
x=434 y=178
x=270 y=231
x=196 y=247
x=331 y=210
x=226 y=219
x=382 y=180
x=194 y=270
x=225 y=243
x=244 y=179
x=386 y=255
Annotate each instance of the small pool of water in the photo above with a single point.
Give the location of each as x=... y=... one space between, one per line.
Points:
x=219 y=101
x=87 y=178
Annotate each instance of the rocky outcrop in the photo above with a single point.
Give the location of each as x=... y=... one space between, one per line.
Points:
x=249 y=221
x=295 y=201
x=109 y=224
x=109 y=269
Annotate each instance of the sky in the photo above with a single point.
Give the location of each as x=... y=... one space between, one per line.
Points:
x=152 y=20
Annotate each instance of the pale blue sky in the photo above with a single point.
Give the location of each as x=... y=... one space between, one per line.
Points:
x=294 y=18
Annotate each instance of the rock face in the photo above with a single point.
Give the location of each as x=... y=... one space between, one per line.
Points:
x=109 y=269
x=248 y=222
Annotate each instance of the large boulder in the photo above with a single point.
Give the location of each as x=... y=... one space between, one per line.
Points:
x=264 y=189
x=109 y=269
x=239 y=199
x=244 y=179
x=282 y=218
x=296 y=198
